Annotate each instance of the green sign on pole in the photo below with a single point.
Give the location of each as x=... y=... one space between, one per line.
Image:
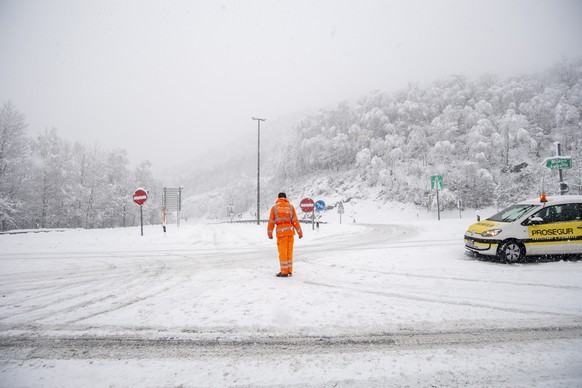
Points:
x=436 y=182
x=558 y=162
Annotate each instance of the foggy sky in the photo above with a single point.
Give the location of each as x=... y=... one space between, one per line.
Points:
x=168 y=79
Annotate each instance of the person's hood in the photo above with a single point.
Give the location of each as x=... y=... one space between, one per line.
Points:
x=281 y=200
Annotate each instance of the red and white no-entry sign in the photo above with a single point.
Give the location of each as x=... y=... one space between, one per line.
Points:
x=307 y=205
x=140 y=196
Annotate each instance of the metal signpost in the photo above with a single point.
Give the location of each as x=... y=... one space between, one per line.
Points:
x=340 y=210
x=436 y=183
x=171 y=201
x=140 y=196
x=308 y=206
x=559 y=162
x=319 y=206
x=230 y=211
x=460 y=205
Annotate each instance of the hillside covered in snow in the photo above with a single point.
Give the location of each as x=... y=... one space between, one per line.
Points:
x=487 y=137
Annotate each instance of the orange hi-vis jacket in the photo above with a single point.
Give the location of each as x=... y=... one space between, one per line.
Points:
x=284 y=216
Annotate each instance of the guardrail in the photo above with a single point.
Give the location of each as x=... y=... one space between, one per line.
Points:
x=265 y=221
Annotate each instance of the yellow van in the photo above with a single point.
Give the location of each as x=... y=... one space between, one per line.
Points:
x=541 y=226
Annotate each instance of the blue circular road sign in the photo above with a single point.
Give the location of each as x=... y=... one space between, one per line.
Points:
x=319 y=205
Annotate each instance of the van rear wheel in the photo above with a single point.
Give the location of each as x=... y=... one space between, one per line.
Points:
x=511 y=251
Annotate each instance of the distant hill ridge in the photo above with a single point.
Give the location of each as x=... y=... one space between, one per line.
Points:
x=487 y=137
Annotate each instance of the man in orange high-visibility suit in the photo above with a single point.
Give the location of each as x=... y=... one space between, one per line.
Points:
x=284 y=216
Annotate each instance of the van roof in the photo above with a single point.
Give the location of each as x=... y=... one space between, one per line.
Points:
x=556 y=200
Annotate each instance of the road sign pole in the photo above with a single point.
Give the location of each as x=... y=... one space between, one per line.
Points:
x=559 y=163
x=140 y=196
x=179 y=206
x=436 y=183
x=313 y=219
x=438 y=206
x=164 y=219
x=560 y=174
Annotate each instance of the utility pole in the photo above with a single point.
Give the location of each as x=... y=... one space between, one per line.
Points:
x=563 y=186
x=258 y=168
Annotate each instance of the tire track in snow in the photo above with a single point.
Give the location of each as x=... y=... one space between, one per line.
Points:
x=51 y=282
x=128 y=283
x=446 y=301
x=436 y=277
x=143 y=282
x=26 y=347
x=118 y=276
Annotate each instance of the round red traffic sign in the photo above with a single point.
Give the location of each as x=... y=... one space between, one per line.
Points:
x=306 y=205
x=140 y=196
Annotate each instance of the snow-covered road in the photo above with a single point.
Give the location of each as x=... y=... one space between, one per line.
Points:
x=368 y=305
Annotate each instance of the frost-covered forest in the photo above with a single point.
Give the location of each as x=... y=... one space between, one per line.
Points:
x=47 y=182
x=487 y=137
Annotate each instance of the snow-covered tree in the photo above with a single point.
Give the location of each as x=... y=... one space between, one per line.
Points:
x=13 y=165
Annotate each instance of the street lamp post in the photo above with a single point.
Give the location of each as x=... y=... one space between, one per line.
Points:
x=258 y=168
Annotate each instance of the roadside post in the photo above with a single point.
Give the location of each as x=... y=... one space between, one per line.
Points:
x=230 y=211
x=164 y=219
x=308 y=206
x=559 y=162
x=140 y=196
x=436 y=183
x=319 y=206
x=340 y=210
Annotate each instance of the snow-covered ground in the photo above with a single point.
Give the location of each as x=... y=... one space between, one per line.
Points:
x=397 y=303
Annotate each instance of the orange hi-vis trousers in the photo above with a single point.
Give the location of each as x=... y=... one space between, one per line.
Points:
x=285 y=247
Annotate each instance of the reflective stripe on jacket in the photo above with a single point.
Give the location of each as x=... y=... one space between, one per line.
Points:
x=284 y=216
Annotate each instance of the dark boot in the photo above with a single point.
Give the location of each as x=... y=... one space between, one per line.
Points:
x=281 y=275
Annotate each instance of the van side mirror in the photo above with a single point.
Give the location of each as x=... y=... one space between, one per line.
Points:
x=535 y=221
